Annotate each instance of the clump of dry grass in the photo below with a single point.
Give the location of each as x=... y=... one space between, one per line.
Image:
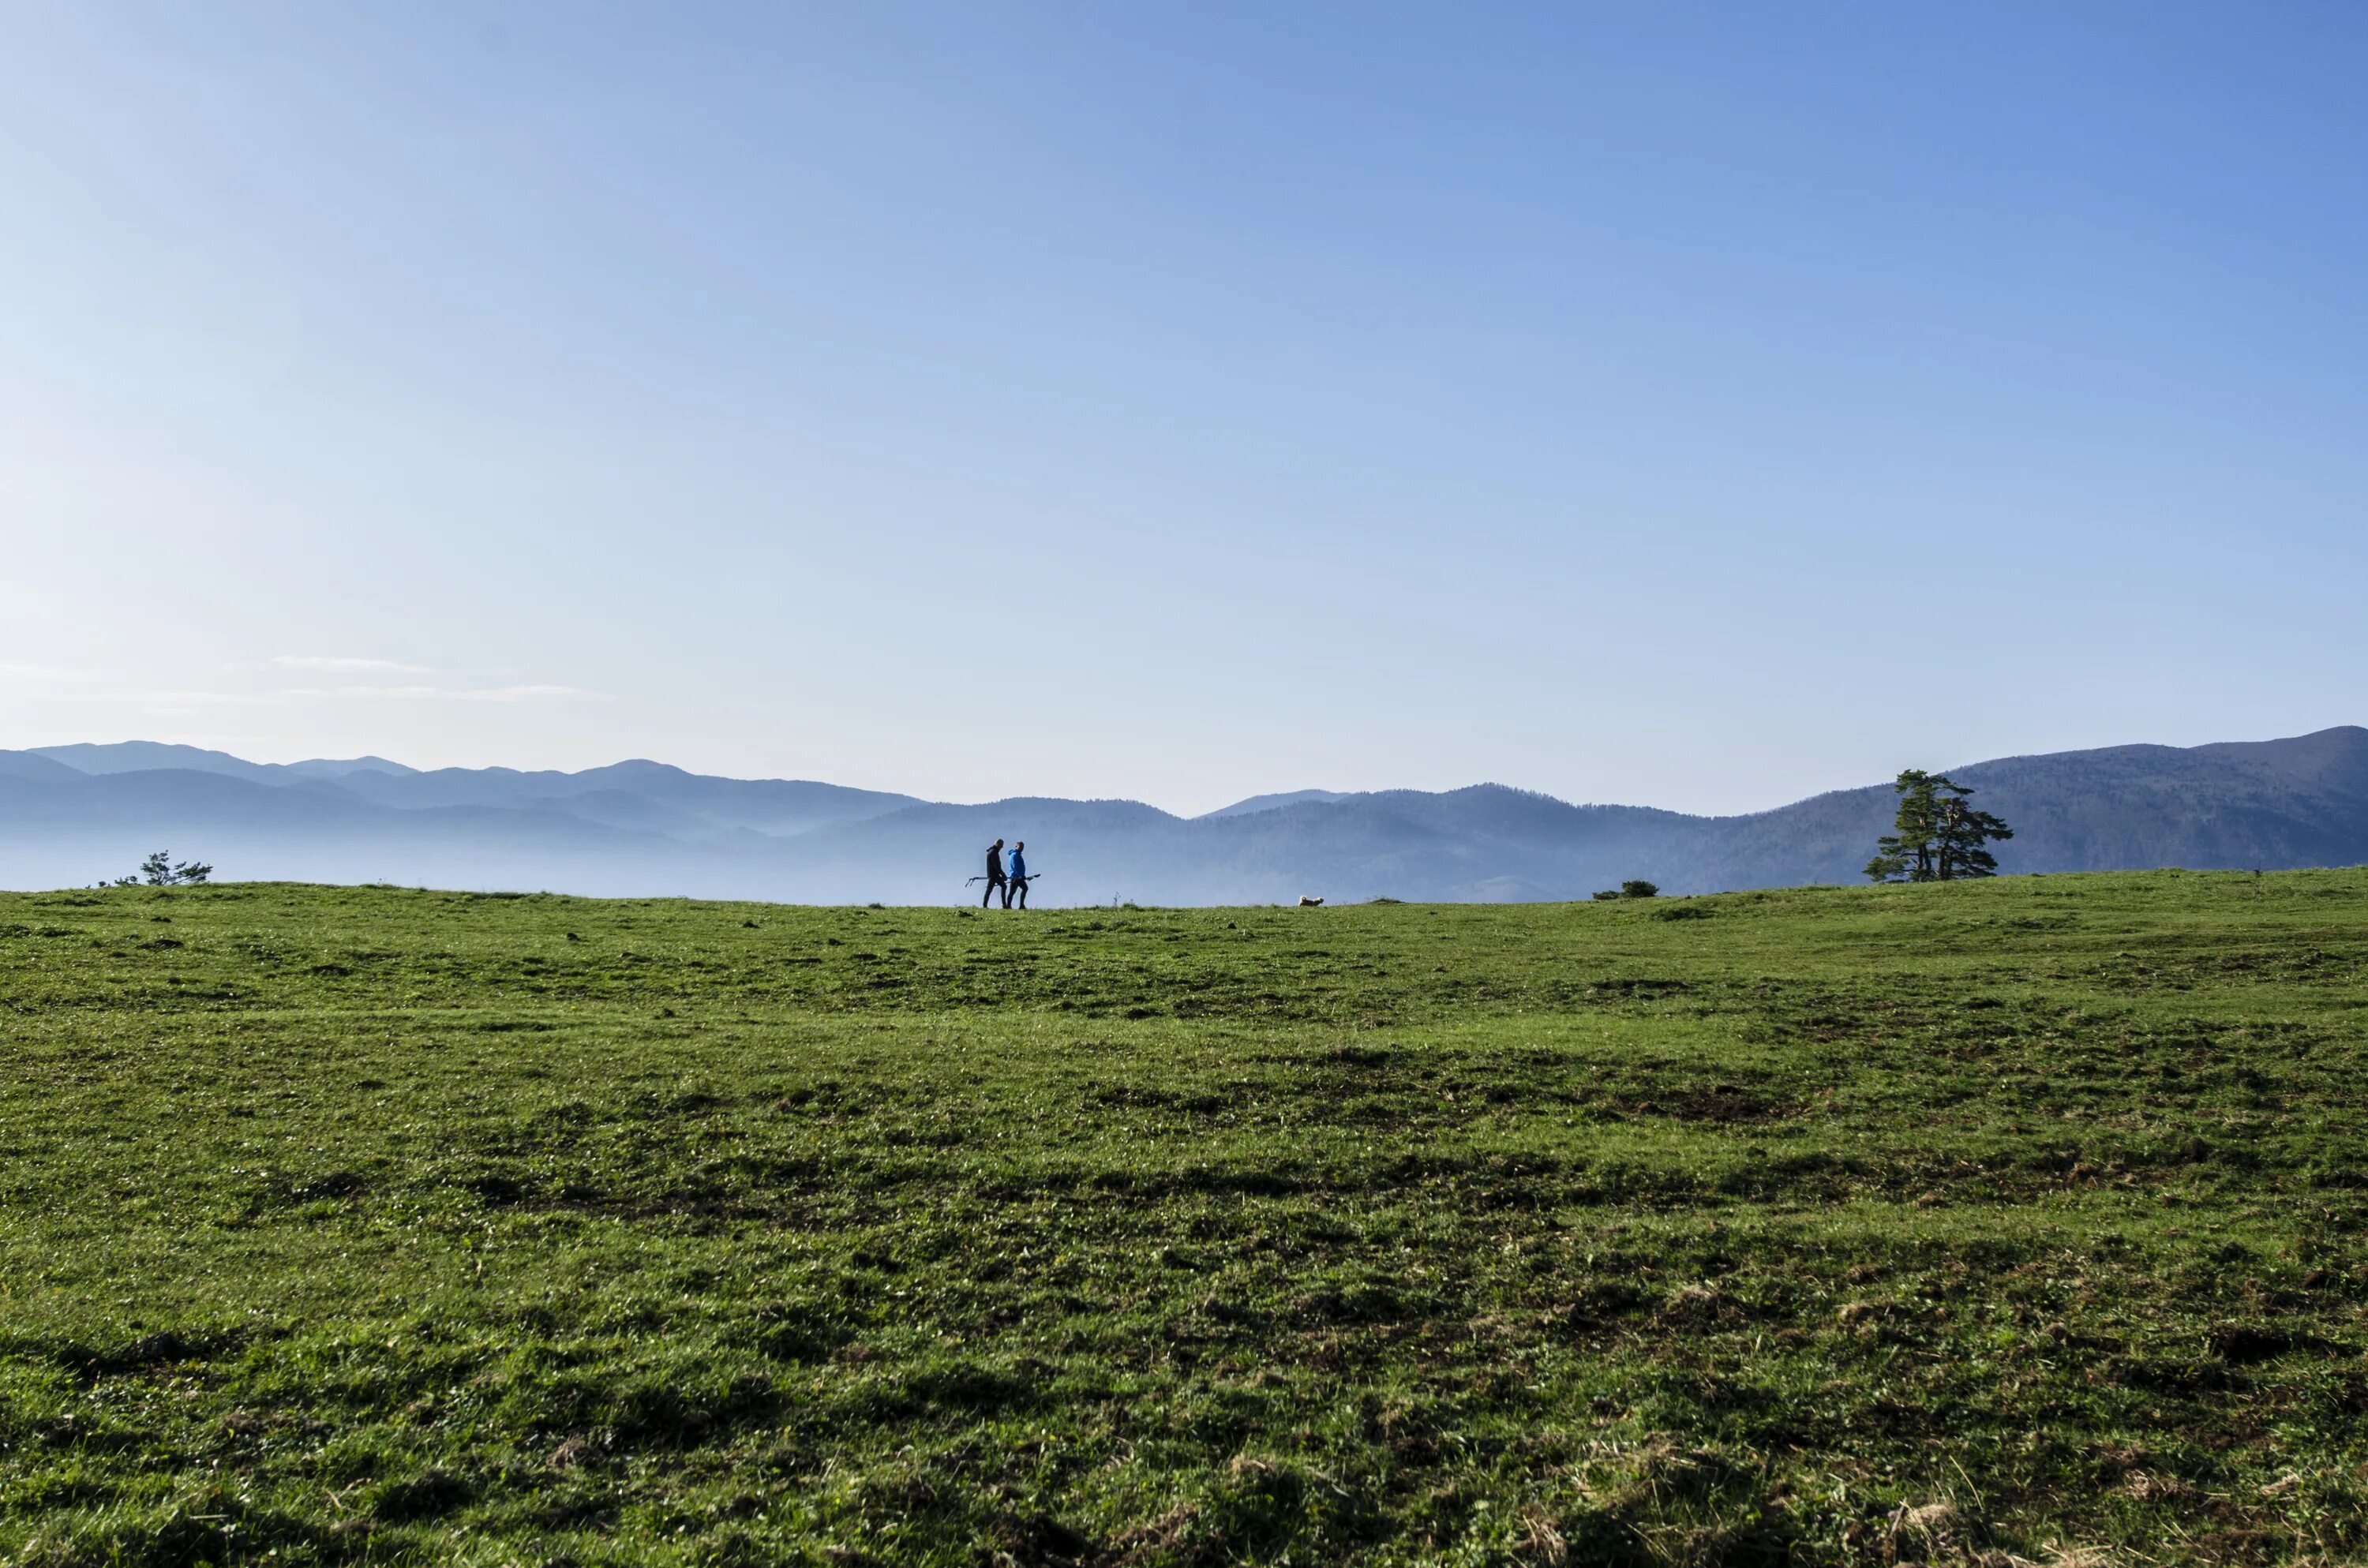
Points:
x=1925 y=1532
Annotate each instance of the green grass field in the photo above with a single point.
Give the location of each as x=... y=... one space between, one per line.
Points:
x=1836 y=1225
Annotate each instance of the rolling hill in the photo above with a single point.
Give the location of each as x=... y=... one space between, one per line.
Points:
x=74 y=814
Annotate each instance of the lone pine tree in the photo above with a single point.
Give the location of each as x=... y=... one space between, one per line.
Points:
x=1937 y=838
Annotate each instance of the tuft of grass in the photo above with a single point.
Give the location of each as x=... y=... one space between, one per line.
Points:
x=1950 y=1224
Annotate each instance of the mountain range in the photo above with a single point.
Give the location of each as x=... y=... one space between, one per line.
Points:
x=75 y=814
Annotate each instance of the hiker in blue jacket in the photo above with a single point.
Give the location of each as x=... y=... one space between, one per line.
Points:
x=1018 y=883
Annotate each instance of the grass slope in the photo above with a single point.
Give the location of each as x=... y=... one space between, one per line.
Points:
x=1820 y=1226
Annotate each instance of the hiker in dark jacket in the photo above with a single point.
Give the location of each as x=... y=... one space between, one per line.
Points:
x=995 y=875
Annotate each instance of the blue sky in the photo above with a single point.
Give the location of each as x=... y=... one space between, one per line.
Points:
x=1691 y=405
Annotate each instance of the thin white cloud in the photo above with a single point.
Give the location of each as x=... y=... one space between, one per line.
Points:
x=332 y=664
x=186 y=699
x=479 y=694
x=296 y=696
x=40 y=674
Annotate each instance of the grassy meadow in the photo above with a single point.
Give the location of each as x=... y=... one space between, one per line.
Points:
x=2017 y=1219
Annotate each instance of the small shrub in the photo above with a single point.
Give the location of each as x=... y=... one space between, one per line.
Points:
x=1635 y=888
x=159 y=870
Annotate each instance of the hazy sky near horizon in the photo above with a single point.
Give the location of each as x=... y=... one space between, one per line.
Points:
x=1684 y=404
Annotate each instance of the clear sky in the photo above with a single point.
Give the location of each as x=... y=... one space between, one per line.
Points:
x=1696 y=406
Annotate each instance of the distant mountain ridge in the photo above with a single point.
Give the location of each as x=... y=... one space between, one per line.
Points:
x=1257 y=803
x=142 y=756
x=71 y=814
